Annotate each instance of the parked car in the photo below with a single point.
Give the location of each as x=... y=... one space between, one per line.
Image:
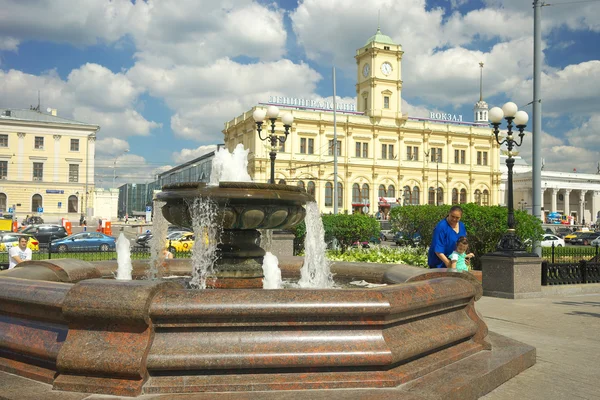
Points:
x=596 y=242
x=33 y=220
x=183 y=242
x=549 y=240
x=10 y=239
x=385 y=235
x=84 y=241
x=45 y=233
x=403 y=239
x=586 y=238
x=173 y=228
x=563 y=231
x=568 y=238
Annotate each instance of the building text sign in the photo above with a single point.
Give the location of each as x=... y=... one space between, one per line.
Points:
x=441 y=116
x=309 y=103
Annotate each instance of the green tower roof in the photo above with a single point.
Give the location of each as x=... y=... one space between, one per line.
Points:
x=380 y=38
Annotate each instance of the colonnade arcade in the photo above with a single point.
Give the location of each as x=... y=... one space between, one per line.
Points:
x=581 y=204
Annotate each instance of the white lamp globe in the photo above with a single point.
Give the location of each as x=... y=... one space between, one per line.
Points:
x=287 y=119
x=259 y=115
x=510 y=109
x=521 y=118
x=496 y=114
x=272 y=112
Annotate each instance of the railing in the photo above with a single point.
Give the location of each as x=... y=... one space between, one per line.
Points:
x=570 y=254
x=137 y=253
x=570 y=273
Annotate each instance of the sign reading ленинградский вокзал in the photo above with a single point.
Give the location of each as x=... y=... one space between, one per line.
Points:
x=445 y=116
x=309 y=103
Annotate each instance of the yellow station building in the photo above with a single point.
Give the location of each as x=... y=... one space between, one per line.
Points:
x=385 y=156
x=46 y=164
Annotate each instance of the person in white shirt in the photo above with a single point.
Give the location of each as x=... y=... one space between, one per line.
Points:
x=19 y=253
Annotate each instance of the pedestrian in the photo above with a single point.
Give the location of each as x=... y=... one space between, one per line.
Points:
x=167 y=254
x=19 y=253
x=81 y=219
x=126 y=218
x=445 y=236
x=459 y=257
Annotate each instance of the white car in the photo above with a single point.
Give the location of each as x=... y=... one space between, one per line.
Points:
x=596 y=242
x=548 y=240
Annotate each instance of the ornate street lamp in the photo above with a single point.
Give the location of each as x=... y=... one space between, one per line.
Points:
x=272 y=113
x=510 y=242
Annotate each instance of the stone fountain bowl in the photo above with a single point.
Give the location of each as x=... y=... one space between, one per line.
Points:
x=241 y=205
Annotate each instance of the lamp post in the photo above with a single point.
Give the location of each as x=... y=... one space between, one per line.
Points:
x=272 y=113
x=115 y=166
x=523 y=204
x=510 y=242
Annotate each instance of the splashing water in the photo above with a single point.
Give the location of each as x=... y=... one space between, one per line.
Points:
x=266 y=239
x=272 y=273
x=315 y=272
x=230 y=167
x=123 y=258
x=157 y=242
x=207 y=233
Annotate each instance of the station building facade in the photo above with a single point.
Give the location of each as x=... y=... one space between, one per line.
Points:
x=385 y=157
x=46 y=164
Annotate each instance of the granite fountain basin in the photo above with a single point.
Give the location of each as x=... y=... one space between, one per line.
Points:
x=68 y=325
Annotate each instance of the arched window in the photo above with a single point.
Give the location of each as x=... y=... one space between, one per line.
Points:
x=440 y=196
x=282 y=182
x=73 y=204
x=36 y=202
x=364 y=195
x=355 y=193
x=328 y=194
x=311 y=188
x=301 y=184
x=455 y=196
x=382 y=192
x=478 y=197
x=463 y=196
x=415 y=196
x=406 y=195
x=486 y=198
x=391 y=192
x=2 y=202
x=340 y=194
x=431 y=195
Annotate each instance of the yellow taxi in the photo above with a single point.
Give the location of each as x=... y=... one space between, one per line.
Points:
x=573 y=235
x=181 y=243
x=10 y=239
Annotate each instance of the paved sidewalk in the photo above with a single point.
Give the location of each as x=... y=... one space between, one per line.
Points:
x=566 y=332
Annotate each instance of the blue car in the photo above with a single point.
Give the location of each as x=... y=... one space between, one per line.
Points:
x=84 y=241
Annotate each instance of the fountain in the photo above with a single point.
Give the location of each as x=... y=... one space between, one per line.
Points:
x=67 y=324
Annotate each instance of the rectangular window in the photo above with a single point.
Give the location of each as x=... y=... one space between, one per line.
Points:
x=436 y=154
x=412 y=153
x=3 y=169
x=74 y=144
x=387 y=151
x=358 y=145
x=386 y=101
x=281 y=143
x=365 y=152
x=485 y=158
x=303 y=145
x=311 y=146
x=39 y=143
x=482 y=158
x=339 y=148
x=384 y=151
x=479 y=157
x=3 y=140
x=463 y=154
x=73 y=172
x=460 y=156
x=38 y=171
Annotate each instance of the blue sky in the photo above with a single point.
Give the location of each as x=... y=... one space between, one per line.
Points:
x=162 y=77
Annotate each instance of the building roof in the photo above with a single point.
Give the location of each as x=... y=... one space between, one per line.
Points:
x=380 y=38
x=11 y=114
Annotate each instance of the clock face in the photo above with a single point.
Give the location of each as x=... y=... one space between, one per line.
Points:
x=366 y=70
x=386 y=68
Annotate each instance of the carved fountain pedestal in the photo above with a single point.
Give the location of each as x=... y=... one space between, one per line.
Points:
x=242 y=209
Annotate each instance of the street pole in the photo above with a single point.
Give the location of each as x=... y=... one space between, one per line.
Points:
x=335 y=160
x=536 y=178
x=437 y=168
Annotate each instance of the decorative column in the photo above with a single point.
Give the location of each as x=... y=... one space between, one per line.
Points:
x=593 y=208
x=56 y=176
x=567 y=210
x=21 y=156
x=581 y=216
x=553 y=204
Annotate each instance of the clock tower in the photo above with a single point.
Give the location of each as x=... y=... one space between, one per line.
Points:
x=379 y=77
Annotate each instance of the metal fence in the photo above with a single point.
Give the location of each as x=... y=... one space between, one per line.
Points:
x=570 y=254
x=44 y=253
x=570 y=273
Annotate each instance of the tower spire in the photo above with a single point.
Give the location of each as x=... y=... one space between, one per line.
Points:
x=481 y=81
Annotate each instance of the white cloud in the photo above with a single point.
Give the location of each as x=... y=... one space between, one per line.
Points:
x=110 y=147
x=189 y=154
